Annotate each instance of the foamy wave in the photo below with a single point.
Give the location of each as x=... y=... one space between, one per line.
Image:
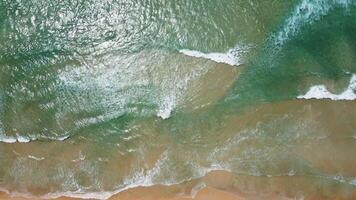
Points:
x=25 y=139
x=231 y=57
x=108 y=194
x=321 y=92
x=143 y=181
x=78 y=194
x=117 y=83
x=173 y=95
x=139 y=178
x=175 y=87
x=307 y=12
x=166 y=107
x=13 y=139
x=35 y=158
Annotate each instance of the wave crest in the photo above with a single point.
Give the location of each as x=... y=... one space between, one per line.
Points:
x=321 y=92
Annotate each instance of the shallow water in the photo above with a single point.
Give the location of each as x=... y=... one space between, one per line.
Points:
x=100 y=96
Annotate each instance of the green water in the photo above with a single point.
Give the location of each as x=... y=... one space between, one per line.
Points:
x=97 y=95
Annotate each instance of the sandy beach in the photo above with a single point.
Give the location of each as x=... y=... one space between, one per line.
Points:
x=209 y=187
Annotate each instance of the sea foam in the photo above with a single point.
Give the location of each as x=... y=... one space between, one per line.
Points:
x=231 y=57
x=307 y=12
x=167 y=106
x=321 y=92
x=7 y=139
x=25 y=139
x=140 y=178
x=172 y=99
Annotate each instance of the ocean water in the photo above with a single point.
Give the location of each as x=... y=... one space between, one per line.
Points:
x=99 y=96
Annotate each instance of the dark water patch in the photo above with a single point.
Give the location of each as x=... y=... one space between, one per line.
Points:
x=278 y=72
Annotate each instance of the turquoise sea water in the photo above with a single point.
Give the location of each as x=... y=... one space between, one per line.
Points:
x=98 y=96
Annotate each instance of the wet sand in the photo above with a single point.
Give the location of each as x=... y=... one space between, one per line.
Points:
x=329 y=149
x=161 y=193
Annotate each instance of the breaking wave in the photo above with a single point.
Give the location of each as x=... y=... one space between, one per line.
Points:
x=321 y=92
x=307 y=12
x=231 y=57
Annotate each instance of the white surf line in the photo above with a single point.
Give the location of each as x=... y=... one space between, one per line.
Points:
x=13 y=139
x=231 y=57
x=321 y=92
x=140 y=178
x=307 y=12
x=36 y=158
x=25 y=139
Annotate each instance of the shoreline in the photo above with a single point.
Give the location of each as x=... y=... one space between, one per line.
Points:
x=156 y=192
x=216 y=185
x=220 y=184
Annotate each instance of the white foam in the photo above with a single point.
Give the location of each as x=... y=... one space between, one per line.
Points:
x=80 y=194
x=175 y=88
x=307 y=12
x=35 y=158
x=7 y=139
x=321 y=92
x=231 y=57
x=25 y=139
x=166 y=108
x=141 y=181
x=353 y=182
x=339 y=178
x=60 y=138
x=140 y=178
